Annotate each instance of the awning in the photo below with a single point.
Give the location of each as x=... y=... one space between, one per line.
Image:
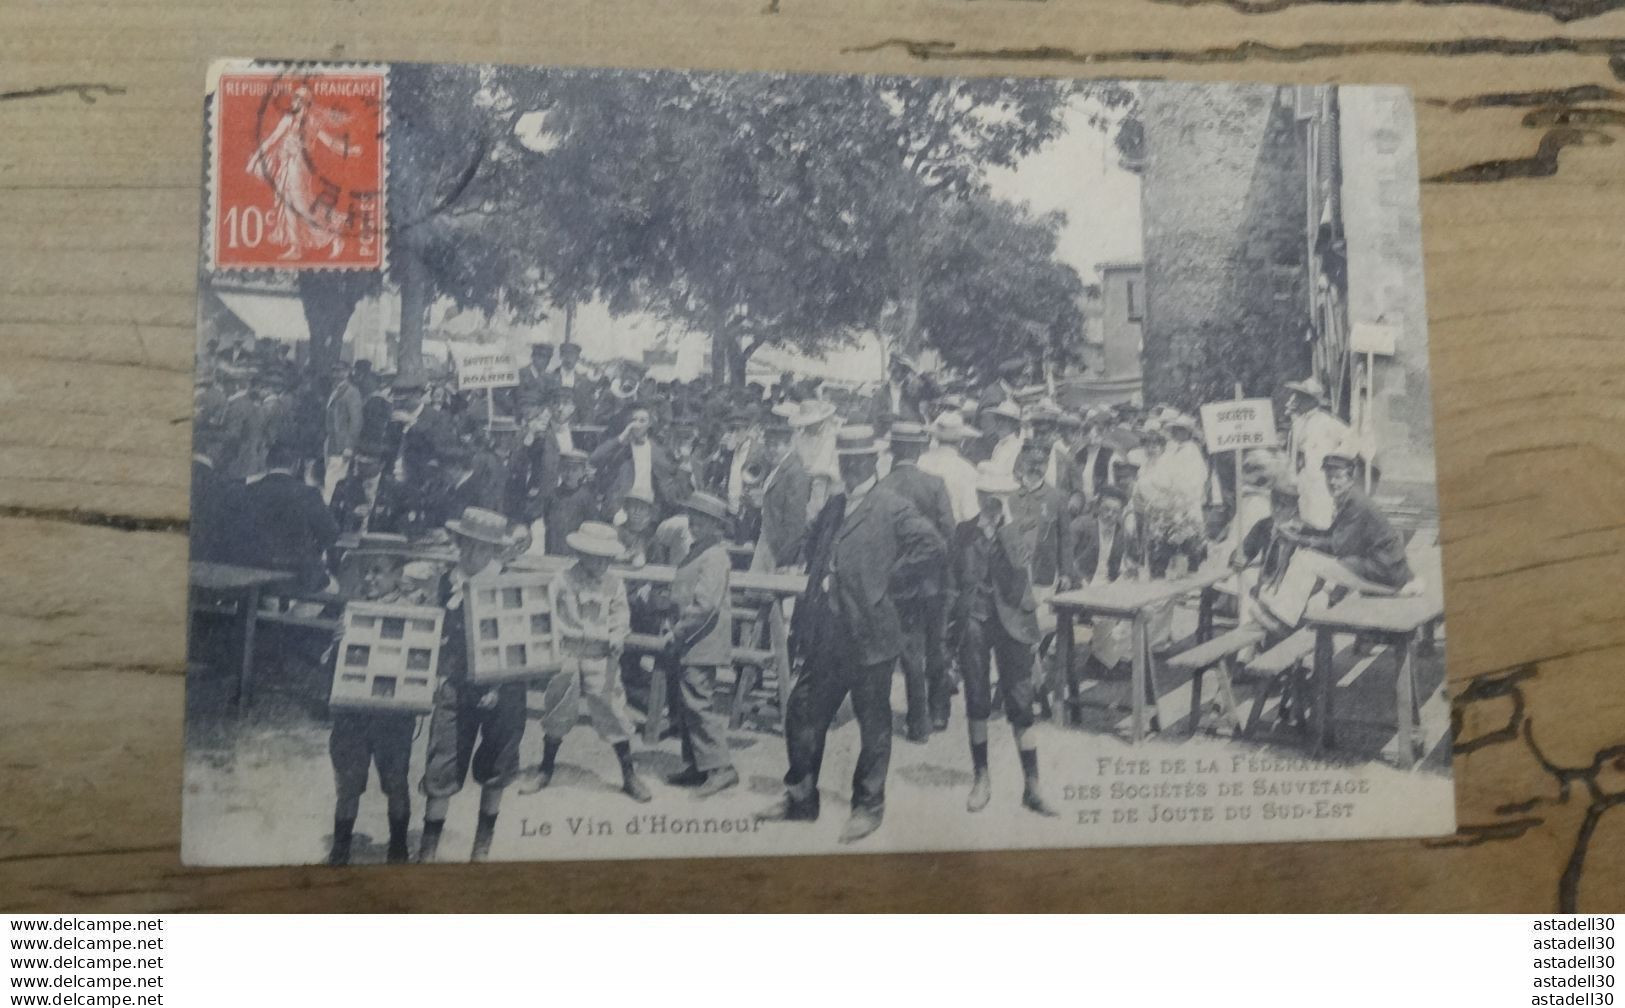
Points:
x=279 y=316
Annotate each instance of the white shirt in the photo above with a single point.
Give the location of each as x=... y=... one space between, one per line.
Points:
x=1091 y=456
x=859 y=492
x=1005 y=454
x=1313 y=435
x=372 y=498
x=1108 y=539
x=944 y=462
x=736 y=474
x=643 y=468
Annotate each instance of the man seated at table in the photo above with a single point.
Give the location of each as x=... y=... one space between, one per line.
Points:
x=1108 y=551
x=1267 y=547
x=1361 y=550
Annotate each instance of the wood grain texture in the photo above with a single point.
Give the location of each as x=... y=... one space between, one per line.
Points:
x=1519 y=108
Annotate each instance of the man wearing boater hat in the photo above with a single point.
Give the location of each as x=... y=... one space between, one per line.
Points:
x=995 y=613
x=847 y=630
x=472 y=726
x=918 y=592
x=1315 y=431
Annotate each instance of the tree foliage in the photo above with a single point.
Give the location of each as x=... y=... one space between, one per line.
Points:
x=761 y=210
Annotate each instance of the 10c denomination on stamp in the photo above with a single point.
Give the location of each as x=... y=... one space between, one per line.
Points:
x=298 y=168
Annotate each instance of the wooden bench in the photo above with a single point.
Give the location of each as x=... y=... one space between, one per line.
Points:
x=749 y=664
x=1275 y=666
x=1219 y=654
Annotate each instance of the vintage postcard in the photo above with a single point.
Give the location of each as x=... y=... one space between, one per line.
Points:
x=626 y=463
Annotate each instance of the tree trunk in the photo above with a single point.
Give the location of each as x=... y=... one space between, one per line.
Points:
x=414 y=312
x=328 y=300
x=569 y=321
x=738 y=359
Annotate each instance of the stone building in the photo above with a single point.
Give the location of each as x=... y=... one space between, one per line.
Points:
x=1281 y=238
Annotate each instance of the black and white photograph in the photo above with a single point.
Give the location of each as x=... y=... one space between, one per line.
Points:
x=597 y=463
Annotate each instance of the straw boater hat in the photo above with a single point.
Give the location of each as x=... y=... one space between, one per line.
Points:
x=992 y=479
x=1134 y=458
x=639 y=494
x=596 y=539
x=907 y=432
x=856 y=439
x=503 y=425
x=387 y=543
x=420 y=571
x=1006 y=409
x=1114 y=492
x=1180 y=420
x=573 y=455
x=1044 y=411
x=707 y=504
x=807 y=412
x=482 y=525
x=951 y=427
x=1285 y=485
x=1310 y=387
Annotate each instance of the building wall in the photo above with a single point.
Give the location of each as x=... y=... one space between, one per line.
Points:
x=1381 y=221
x=1223 y=202
x=1122 y=313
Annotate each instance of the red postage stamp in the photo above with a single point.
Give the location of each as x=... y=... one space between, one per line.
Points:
x=298 y=168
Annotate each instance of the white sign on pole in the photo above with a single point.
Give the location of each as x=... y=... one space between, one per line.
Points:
x=1374 y=338
x=1238 y=424
x=483 y=367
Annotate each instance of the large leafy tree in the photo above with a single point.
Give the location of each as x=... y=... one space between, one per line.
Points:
x=758 y=209
x=991 y=284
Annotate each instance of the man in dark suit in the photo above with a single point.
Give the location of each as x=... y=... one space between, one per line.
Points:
x=1002 y=389
x=918 y=592
x=462 y=486
x=571 y=379
x=533 y=377
x=785 y=494
x=1096 y=455
x=242 y=429
x=1104 y=547
x=417 y=431
x=995 y=611
x=376 y=411
x=634 y=459
x=1040 y=515
x=214 y=503
x=370 y=499
x=289 y=527
x=902 y=397
x=847 y=630
x=341 y=428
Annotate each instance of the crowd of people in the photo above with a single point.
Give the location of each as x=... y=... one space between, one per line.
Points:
x=931 y=519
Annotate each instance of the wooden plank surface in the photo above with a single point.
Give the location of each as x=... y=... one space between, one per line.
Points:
x=1520 y=105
